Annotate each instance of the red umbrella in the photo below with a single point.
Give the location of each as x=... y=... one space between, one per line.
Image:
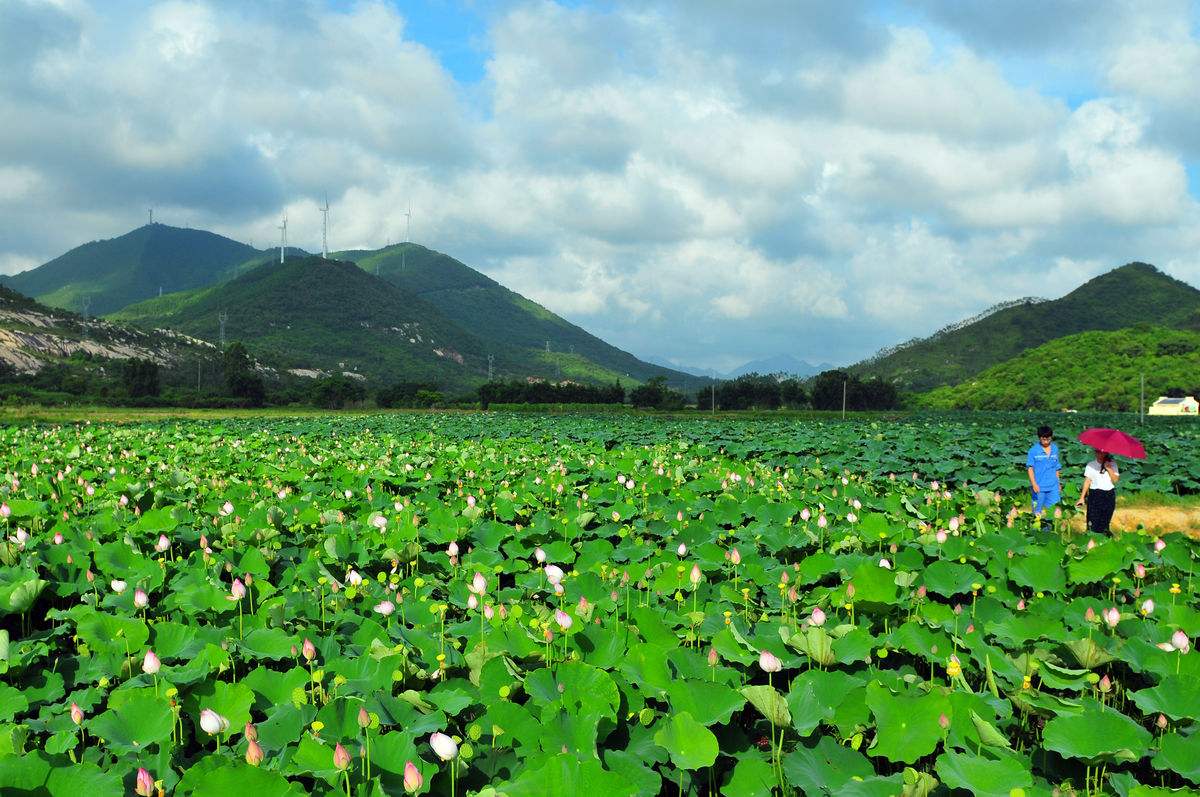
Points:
x=1114 y=441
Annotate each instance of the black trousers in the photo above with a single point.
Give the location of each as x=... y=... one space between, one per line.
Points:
x=1100 y=506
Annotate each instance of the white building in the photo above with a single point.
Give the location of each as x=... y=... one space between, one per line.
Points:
x=1175 y=406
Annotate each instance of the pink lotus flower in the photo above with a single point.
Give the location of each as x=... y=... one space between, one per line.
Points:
x=563 y=619
x=1139 y=570
x=354 y=578
x=712 y=657
x=1147 y=606
x=488 y=612
x=554 y=574
x=250 y=732
x=805 y=514
x=768 y=662
x=5 y=511
x=472 y=602
x=478 y=584
x=452 y=549
x=58 y=538
x=681 y=550
x=341 y=758
x=163 y=544
x=695 y=576
x=412 y=778
x=254 y=753
x=1105 y=684
x=237 y=590
x=539 y=555
x=735 y=557
x=851 y=518
x=151 y=664
x=1089 y=615
x=1180 y=642
x=470 y=502
x=76 y=714
x=385 y=608
x=144 y=784
x=140 y=599
x=885 y=564
x=822 y=522
x=443 y=746
x=1112 y=616
x=1159 y=545
x=954 y=524
x=1021 y=605
x=817 y=618
x=308 y=650
x=118 y=586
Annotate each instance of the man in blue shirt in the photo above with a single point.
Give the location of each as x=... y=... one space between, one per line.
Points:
x=1043 y=467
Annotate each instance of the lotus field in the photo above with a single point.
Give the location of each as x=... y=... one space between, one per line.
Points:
x=505 y=605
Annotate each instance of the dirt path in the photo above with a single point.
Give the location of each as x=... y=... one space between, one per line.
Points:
x=1163 y=519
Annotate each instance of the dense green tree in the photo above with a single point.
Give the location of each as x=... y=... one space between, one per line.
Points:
x=242 y=380
x=337 y=391
x=655 y=394
x=140 y=378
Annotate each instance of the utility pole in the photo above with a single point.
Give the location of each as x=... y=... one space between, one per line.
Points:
x=714 y=398
x=85 y=303
x=151 y=212
x=222 y=317
x=1142 y=402
x=198 y=361
x=844 y=381
x=491 y=361
x=282 y=238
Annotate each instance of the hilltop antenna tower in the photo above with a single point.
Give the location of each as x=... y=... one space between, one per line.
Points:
x=325 y=229
x=85 y=303
x=151 y=212
x=222 y=317
x=407 y=236
x=491 y=361
x=282 y=237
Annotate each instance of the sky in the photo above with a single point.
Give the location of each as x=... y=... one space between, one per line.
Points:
x=700 y=182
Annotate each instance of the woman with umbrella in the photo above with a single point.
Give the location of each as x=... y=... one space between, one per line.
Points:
x=1100 y=476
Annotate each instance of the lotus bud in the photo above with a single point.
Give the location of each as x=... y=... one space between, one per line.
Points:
x=488 y=612
x=478 y=584
x=1112 y=616
x=885 y=564
x=563 y=619
x=76 y=714
x=452 y=549
x=768 y=662
x=354 y=578
x=540 y=556
x=1021 y=605
x=558 y=589
x=822 y=522
x=922 y=591
x=850 y=590
x=805 y=514
x=817 y=618
x=5 y=512
x=712 y=657
x=472 y=602
x=144 y=784
x=1089 y=615
x=151 y=664
x=1159 y=545
x=250 y=732
x=1105 y=684
x=364 y=719
x=58 y=538
x=412 y=778
x=341 y=758
x=681 y=550
x=308 y=650
x=117 y=585
x=254 y=753
x=679 y=516
x=1147 y=606
x=695 y=576
x=1161 y=722
x=554 y=574
x=140 y=599
x=941 y=536
x=943 y=721
x=90 y=576
x=443 y=746
x=1139 y=570
x=1180 y=641
x=213 y=723
x=163 y=544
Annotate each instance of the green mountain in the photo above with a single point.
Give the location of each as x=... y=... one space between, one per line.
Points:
x=35 y=339
x=329 y=315
x=1124 y=297
x=1088 y=371
x=108 y=275
x=493 y=312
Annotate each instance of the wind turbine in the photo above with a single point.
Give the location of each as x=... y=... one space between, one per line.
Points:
x=282 y=237
x=325 y=228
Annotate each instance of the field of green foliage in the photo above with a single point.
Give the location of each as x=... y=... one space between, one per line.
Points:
x=526 y=605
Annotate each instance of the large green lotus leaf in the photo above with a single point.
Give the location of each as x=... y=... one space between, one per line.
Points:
x=566 y=774
x=276 y=688
x=141 y=721
x=172 y=640
x=815 y=695
x=217 y=776
x=643 y=780
x=1090 y=653
x=753 y=776
x=917 y=639
x=816 y=643
x=1175 y=696
x=950 y=578
x=268 y=643
x=315 y=756
x=825 y=767
x=646 y=666
x=1040 y=570
x=873 y=584
x=514 y=726
x=574 y=732
x=389 y=753
x=1180 y=754
x=874 y=787
x=84 y=779
x=283 y=726
x=18 y=596
x=709 y=703
x=906 y=727
x=690 y=744
x=984 y=777
x=1098 y=732
x=12 y=702
x=770 y=703
x=231 y=701
x=577 y=686
x=1103 y=560
x=25 y=773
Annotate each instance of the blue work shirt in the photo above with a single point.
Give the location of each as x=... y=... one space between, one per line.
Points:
x=1045 y=466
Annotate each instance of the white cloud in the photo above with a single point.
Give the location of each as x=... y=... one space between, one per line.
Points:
x=687 y=180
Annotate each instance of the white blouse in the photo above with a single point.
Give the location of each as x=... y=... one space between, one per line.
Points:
x=1098 y=477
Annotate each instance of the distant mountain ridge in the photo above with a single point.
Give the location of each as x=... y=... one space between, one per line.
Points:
x=779 y=364
x=107 y=275
x=1121 y=298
